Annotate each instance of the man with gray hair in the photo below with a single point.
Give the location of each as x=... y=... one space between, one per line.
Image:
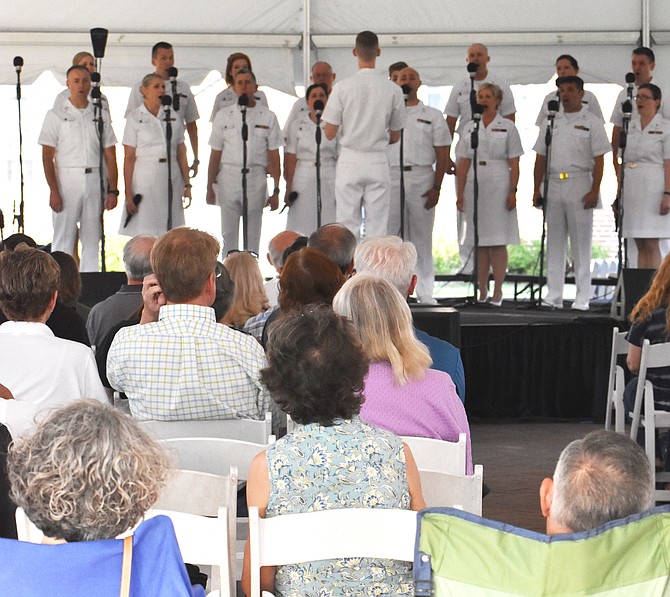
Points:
x=603 y=477
x=337 y=243
x=395 y=260
x=276 y=247
x=120 y=306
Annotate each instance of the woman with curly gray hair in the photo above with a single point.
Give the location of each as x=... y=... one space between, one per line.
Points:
x=87 y=473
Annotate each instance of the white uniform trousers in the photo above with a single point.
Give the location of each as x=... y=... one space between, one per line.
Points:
x=228 y=189
x=418 y=222
x=302 y=214
x=466 y=249
x=362 y=180
x=566 y=217
x=80 y=190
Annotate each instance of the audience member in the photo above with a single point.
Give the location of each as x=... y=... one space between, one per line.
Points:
x=250 y=298
x=401 y=393
x=119 y=306
x=36 y=366
x=600 y=478
x=7 y=506
x=180 y=364
x=395 y=260
x=69 y=288
x=316 y=367
x=337 y=243
x=275 y=255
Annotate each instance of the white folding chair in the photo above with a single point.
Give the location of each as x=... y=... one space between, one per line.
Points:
x=248 y=430
x=328 y=534
x=205 y=541
x=616 y=383
x=199 y=493
x=25 y=529
x=439 y=455
x=453 y=491
x=20 y=416
x=645 y=413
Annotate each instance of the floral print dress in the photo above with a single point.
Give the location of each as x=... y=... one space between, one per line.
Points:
x=348 y=465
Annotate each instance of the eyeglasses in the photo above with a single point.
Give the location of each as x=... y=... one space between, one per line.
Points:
x=644 y=98
x=232 y=251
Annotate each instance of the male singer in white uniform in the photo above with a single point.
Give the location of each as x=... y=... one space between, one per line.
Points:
x=458 y=110
x=71 y=159
x=579 y=144
x=371 y=112
x=162 y=58
x=426 y=142
x=224 y=176
x=322 y=72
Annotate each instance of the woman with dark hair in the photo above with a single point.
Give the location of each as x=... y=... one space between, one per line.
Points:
x=236 y=61
x=316 y=367
x=567 y=66
x=69 y=287
x=300 y=167
x=646 y=193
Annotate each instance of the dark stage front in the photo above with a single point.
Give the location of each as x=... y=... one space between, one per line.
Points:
x=535 y=365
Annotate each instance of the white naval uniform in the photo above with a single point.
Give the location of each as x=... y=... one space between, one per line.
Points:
x=425 y=130
x=365 y=107
x=63 y=98
x=589 y=101
x=146 y=133
x=644 y=179
x=498 y=143
x=188 y=109
x=617 y=113
x=228 y=97
x=264 y=135
x=301 y=141
x=458 y=106
x=578 y=138
x=299 y=108
x=73 y=133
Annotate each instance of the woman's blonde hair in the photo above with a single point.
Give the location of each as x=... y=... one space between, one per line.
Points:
x=249 y=298
x=657 y=296
x=384 y=323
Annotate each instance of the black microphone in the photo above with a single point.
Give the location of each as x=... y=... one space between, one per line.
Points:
x=318 y=108
x=552 y=106
x=630 y=84
x=99 y=41
x=472 y=69
x=172 y=73
x=166 y=101
x=477 y=112
x=136 y=200
x=96 y=94
x=243 y=101
x=627 y=109
x=406 y=90
x=18 y=63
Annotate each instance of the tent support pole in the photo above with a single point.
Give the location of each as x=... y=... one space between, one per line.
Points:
x=306 y=43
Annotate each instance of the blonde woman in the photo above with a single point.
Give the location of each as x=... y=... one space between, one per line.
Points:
x=402 y=394
x=250 y=298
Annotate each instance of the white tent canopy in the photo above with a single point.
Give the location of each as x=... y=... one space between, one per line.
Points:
x=524 y=36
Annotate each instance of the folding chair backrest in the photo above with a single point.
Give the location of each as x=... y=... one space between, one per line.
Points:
x=247 y=430
x=329 y=534
x=465 y=555
x=439 y=455
x=652 y=356
x=214 y=455
x=453 y=491
x=616 y=382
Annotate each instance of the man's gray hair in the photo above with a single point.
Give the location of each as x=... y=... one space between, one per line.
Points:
x=389 y=257
x=603 y=477
x=137 y=257
x=336 y=242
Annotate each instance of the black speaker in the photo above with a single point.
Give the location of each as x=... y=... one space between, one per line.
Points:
x=636 y=282
x=441 y=322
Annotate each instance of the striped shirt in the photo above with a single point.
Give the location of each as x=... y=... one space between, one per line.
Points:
x=187 y=366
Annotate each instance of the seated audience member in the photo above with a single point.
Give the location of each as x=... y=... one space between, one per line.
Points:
x=395 y=260
x=36 y=366
x=69 y=288
x=121 y=305
x=7 y=507
x=180 y=364
x=401 y=393
x=308 y=277
x=337 y=243
x=316 y=367
x=90 y=473
x=275 y=256
x=603 y=477
x=250 y=298
x=63 y=322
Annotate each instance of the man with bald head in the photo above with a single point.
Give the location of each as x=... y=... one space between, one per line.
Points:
x=323 y=73
x=276 y=247
x=426 y=145
x=459 y=111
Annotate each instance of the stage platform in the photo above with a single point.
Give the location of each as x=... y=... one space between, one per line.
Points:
x=528 y=364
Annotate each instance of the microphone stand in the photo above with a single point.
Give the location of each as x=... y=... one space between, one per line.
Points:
x=623 y=141
x=96 y=96
x=474 y=144
x=318 y=108
x=19 y=218
x=243 y=102
x=405 y=91
x=166 y=100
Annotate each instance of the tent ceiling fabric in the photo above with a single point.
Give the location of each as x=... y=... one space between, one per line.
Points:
x=524 y=36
